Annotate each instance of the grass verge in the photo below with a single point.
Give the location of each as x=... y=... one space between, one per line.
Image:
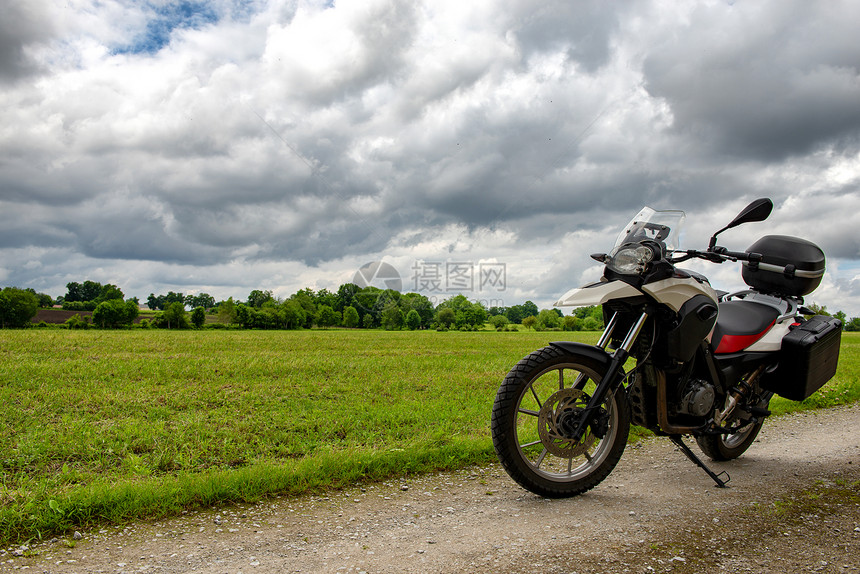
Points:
x=105 y=427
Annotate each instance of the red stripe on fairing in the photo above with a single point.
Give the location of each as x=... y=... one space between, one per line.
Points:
x=735 y=343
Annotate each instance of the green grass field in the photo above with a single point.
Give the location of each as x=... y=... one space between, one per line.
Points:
x=108 y=426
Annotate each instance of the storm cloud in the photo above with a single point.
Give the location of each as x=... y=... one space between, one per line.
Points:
x=228 y=146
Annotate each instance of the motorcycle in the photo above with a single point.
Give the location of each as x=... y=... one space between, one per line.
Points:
x=676 y=357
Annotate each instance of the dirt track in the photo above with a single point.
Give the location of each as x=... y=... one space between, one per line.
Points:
x=655 y=513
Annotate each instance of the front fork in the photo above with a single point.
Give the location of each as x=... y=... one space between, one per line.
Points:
x=610 y=380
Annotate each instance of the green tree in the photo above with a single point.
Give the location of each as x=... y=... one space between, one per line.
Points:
x=73 y=292
x=17 y=307
x=350 y=317
x=413 y=320
x=476 y=314
x=257 y=298
x=78 y=322
x=420 y=304
x=392 y=318
x=198 y=317
x=162 y=302
x=548 y=319
x=244 y=317
x=294 y=314
x=446 y=316
x=499 y=321
x=172 y=297
x=155 y=302
x=570 y=323
x=515 y=314
x=88 y=291
x=204 y=300
x=346 y=296
x=367 y=321
x=530 y=308
x=110 y=293
x=115 y=313
x=132 y=310
x=227 y=311
x=175 y=317
x=326 y=297
x=45 y=300
x=91 y=290
x=818 y=309
x=386 y=299
x=305 y=298
x=327 y=317
x=465 y=312
x=366 y=301
x=529 y=322
x=594 y=312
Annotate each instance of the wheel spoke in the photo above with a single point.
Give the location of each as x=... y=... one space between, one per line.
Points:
x=528 y=444
x=534 y=394
x=560 y=379
x=540 y=459
x=528 y=412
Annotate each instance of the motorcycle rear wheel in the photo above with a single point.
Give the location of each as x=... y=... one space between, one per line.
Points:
x=530 y=405
x=728 y=447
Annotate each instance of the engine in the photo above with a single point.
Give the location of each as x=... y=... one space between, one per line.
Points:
x=698 y=399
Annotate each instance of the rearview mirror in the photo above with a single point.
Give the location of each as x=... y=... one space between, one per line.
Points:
x=758 y=210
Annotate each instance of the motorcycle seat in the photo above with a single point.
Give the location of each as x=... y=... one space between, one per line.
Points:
x=740 y=324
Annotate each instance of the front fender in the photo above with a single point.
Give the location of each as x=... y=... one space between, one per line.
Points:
x=590 y=351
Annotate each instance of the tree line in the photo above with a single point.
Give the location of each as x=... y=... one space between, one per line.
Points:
x=350 y=306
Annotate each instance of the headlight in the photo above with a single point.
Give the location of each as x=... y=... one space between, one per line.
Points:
x=631 y=259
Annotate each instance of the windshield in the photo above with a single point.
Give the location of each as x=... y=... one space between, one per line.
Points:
x=661 y=226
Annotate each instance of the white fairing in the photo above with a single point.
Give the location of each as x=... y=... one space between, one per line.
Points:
x=772 y=340
x=674 y=292
x=597 y=294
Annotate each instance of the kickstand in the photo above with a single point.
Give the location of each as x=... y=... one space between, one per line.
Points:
x=676 y=438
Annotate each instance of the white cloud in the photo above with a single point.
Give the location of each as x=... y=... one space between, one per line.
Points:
x=284 y=144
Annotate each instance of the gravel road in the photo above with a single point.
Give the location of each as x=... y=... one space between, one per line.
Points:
x=791 y=507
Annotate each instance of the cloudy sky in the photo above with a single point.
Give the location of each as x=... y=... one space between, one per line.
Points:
x=223 y=146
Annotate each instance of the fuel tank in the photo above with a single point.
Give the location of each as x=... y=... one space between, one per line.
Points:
x=672 y=292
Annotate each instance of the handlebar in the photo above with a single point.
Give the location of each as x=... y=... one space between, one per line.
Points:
x=720 y=254
x=737 y=255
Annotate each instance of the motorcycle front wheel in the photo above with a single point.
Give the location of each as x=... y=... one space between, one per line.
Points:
x=535 y=405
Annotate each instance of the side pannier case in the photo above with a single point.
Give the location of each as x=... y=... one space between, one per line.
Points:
x=807 y=359
x=789 y=266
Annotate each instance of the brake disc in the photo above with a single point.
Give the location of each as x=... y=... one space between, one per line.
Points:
x=559 y=405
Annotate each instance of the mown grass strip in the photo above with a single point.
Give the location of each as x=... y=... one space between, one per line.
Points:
x=118 y=502
x=106 y=427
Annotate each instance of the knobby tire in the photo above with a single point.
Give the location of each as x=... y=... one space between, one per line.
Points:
x=512 y=417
